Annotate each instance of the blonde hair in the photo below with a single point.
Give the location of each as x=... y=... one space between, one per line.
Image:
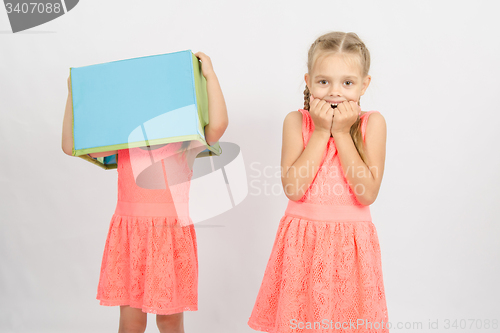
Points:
x=341 y=42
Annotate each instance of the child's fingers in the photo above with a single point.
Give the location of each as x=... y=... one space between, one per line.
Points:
x=320 y=106
x=326 y=107
x=345 y=108
x=351 y=106
x=336 y=113
x=314 y=103
x=341 y=108
x=356 y=109
x=203 y=57
x=329 y=113
x=347 y=111
x=200 y=55
x=206 y=64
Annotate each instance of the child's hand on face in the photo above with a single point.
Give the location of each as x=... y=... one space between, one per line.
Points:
x=206 y=64
x=321 y=114
x=344 y=116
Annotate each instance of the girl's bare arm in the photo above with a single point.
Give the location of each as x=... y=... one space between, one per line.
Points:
x=217 y=111
x=67 y=131
x=299 y=165
x=364 y=179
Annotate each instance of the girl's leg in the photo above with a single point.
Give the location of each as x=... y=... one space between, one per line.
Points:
x=132 y=320
x=173 y=323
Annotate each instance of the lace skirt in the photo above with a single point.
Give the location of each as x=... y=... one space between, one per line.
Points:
x=324 y=273
x=149 y=262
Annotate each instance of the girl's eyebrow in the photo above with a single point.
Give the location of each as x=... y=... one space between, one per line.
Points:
x=347 y=77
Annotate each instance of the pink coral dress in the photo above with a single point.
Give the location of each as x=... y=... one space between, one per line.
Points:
x=150 y=256
x=324 y=273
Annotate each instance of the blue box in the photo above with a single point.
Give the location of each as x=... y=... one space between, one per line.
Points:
x=139 y=102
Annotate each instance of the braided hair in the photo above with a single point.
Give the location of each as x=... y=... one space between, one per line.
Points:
x=341 y=42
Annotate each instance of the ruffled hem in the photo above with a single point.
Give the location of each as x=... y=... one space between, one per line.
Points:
x=167 y=311
x=152 y=260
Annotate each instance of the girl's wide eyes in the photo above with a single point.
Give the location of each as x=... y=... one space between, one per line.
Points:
x=347 y=83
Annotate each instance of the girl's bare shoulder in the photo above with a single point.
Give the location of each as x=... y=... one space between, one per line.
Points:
x=293 y=119
x=292 y=130
x=375 y=117
x=376 y=128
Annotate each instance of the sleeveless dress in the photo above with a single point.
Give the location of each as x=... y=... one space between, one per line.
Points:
x=324 y=273
x=150 y=256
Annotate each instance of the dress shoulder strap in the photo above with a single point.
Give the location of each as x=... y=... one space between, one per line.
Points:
x=307 y=126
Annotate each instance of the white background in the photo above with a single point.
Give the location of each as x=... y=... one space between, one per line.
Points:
x=435 y=78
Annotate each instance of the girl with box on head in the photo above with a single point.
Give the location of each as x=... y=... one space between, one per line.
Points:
x=150 y=260
x=325 y=271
